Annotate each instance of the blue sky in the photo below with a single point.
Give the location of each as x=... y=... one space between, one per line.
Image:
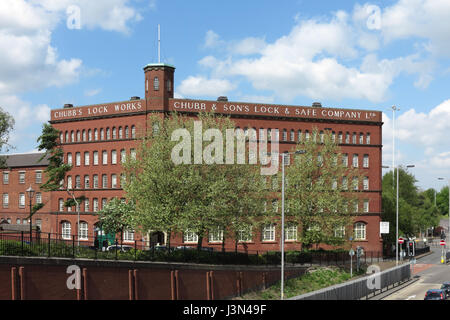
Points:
x=351 y=54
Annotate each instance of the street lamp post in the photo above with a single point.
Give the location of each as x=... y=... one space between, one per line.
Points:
x=396 y=210
x=283 y=155
x=30 y=192
x=448 y=230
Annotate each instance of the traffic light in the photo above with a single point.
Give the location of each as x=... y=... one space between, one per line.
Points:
x=411 y=248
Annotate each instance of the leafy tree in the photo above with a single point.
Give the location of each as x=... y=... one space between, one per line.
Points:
x=6 y=126
x=321 y=191
x=200 y=197
x=116 y=216
x=56 y=170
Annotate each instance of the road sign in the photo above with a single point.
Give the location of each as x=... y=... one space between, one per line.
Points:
x=400 y=240
x=351 y=252
x=442 y=243
x=384 y=227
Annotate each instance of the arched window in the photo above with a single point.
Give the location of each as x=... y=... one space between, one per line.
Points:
x=66 y=230
x=72 y=136
x=133 y=132
x=108 y=134
x=127 y=133
x=67 y=137
x=359 y=230
x=78 y=135
x=83 y=232
x=102 y=134
x=84 y=135
x=114 y=133
x=61 y=138
x=95 y=134
x=156 y=83
x=120 y=133
x=89 y=135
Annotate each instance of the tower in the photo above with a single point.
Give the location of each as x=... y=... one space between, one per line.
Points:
x=158 y=85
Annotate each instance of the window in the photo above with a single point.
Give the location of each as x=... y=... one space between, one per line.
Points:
x=128 y=236
x=169 y=85
x=78 y=135
x=90 y=135
x=69 y=158
x=69 y=182
x=340 y=137
x=290 y=232
x=215 y=235
x=18 y=221
x=105 y=157
x=72 y=136
x=268 y=232
x=5 y=177
x=345 y=159
x=245 y=234
x=95 y=204
x=61 y=138
x=156 y=84
x=133 y=132
x=261 y=134
x=321 y=137
x=299 y=135
x=127 y=133
x=104 y=201
x=120 y=133
x=102 y=134
x=360 y=231
x=86 y=158
x=269 y=134
x=123 y=156
x=77 y=182
x=355 y=183
x=354 y=138
x=284 y=135
x=155 y=126
x=344 y=183
x=355 y=160
x=366 y=161
x=86 y=205
x=21 y=177
x=113 y=181
x=61 y=205
x=84 y=135
x=24 y=221
x=104 y=181
x=38 y=197
x=190 y=236
x=347 y=137
x=306 y=135
x=95 y=181
x=9 y=220
x=38 y=177
x=366 y=183
x=114 y=133
x=108 y=134
x=95 y=158
x=292 y=137
x=334 y=183
x=5 y=200
x=67 y=136
x=361 y=138
x=86 y=182
x=275 y=205
x=66 y=230
x=133 y=154
x=22 y=200
x=366 y=206
x=78 y=159
x=95 y=134
x=333 y=136
x=113 y=157
x=368 y=138
x=39 y=223
x=356 y=206
x=69 y=208
x=83 y=232
x=339 y=232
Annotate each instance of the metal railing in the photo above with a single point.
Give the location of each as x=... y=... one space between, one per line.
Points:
x=360 y=288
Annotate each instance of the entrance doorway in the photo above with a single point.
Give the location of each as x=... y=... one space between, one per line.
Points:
x=157 y=237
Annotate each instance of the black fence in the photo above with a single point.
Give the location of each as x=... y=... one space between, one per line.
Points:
x=56 y=245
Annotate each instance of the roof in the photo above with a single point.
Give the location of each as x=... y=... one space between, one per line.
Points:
x=25 y=160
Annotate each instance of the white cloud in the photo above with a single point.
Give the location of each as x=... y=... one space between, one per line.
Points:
x=201 y=86
x=92 y=92
x=319 y=59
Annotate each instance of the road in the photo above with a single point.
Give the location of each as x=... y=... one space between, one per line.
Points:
x=431 y=274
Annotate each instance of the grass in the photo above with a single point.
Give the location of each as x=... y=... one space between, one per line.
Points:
x=313 y=280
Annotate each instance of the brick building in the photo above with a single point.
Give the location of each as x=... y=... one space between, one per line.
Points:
x=95 y=138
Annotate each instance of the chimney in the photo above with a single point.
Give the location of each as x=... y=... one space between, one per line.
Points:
x=135 y=98
x=222 y=98
x=317 y=105
x=68 y=105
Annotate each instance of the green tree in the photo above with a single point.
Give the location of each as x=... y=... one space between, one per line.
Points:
x=6 y=126
x=199 y=197
x=117 y=216
x=322 y=191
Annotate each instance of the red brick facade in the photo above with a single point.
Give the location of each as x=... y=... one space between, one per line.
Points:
x=112 y=127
